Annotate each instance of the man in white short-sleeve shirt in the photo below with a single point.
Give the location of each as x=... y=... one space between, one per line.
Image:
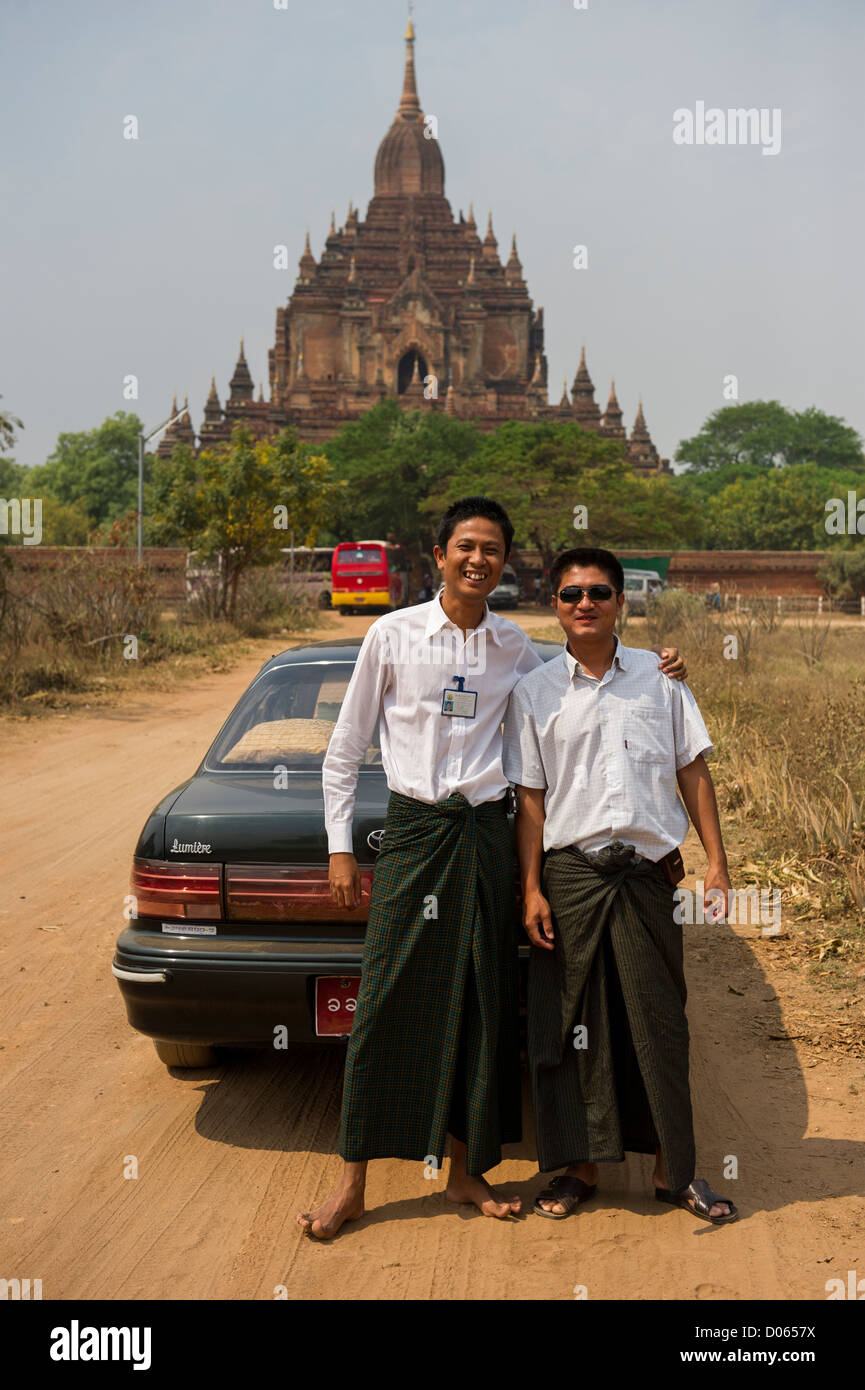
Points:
x=599 y=747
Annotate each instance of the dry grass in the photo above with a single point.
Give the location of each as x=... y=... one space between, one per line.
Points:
x=64 y=641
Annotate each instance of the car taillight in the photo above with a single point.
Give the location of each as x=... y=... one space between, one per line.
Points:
x=274 y=893
x=176 y=890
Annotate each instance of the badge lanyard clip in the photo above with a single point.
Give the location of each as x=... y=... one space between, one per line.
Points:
x=459 y=703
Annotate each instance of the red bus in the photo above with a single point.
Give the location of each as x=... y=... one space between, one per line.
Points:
x=368 y=574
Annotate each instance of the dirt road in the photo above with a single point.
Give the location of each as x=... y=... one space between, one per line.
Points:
x=227 y=1155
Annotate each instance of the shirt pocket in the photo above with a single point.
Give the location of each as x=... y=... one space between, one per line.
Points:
x=649 y=737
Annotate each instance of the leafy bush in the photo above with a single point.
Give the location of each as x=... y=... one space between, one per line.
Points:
x=843 y=573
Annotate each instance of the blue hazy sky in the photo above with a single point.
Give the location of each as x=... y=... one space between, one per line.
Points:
x=153 y=257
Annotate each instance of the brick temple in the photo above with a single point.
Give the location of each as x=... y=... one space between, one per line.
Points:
x=409 y=303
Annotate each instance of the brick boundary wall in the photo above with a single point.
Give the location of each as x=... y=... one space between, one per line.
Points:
x=736 y=571
x=167 y=565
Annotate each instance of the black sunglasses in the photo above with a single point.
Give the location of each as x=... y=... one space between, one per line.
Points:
x=573 y=593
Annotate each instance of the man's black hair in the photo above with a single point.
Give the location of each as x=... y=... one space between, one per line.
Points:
x=585 y=557
x=466 y=509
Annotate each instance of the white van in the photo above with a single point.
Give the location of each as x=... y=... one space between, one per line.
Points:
x=640 y=586
x=507 y=592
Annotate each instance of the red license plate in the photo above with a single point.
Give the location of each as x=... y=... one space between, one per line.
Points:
x=335 y=1003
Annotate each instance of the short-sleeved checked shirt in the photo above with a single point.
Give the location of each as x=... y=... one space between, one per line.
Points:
x=607 y=751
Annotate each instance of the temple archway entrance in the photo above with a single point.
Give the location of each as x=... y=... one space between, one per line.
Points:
x=405 y=370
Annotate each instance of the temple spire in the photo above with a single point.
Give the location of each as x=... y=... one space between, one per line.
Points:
x=306 y=265
x=183 y=429
x=514 y=269
x=490 y=246
x=585 y=407
x=169 y=438
x=641 y=452
x=410 y=101
x=240 y=385
x=611 y=425
x=212 y=408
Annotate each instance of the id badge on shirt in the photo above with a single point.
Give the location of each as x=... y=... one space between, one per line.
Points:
x=459 y=703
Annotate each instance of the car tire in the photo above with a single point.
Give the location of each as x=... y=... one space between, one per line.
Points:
x=324 y=600
x=184 y=1054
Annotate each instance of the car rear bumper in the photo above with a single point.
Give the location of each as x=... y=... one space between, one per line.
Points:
x=237 y=993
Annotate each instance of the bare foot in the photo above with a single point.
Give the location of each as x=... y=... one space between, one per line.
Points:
x=463 y=1188
x=587 y=1171
x=345 y=1205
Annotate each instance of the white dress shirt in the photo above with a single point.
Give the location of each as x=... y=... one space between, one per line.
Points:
x=407 y=659
x=607 y=751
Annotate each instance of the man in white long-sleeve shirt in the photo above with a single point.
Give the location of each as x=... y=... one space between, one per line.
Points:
x=434 y=1048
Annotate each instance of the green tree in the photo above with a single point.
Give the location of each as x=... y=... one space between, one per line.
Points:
x=65 y=523
x=700 y=486
x=241 y=503
x=8 y=425
x=532 y=470
x=764 y=434
x=843 y=573
x=98 y=468
x=541 y=472
x=13 y=477
x=390 y=460
x=783 y=509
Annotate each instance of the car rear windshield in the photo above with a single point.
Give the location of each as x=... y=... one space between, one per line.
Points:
x=286 y=719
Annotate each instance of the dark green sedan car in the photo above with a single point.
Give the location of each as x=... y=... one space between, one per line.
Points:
x=233 y=939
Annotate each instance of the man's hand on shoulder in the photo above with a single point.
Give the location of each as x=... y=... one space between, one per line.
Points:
x=671 y=663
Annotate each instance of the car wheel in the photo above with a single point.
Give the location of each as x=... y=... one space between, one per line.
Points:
x=184 y=1054
x=324 y=600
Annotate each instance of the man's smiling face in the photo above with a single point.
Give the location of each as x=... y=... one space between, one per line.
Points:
x=593 y=618
x=475 y=557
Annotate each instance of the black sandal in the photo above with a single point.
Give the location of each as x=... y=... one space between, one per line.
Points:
x=703 y=1198
x=569 y=1192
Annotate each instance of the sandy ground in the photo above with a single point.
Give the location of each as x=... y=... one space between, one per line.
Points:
x=227 y=1155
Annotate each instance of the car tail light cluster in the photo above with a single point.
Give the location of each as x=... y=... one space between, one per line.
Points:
x=176 y=890
x=273 y=893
